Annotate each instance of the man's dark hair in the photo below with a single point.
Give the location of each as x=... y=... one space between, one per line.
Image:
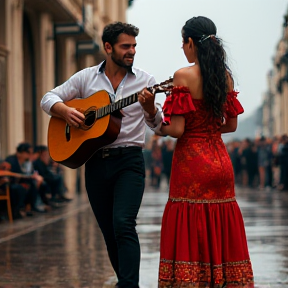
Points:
x=24 y=147
x=40 y=148
x=112 y=31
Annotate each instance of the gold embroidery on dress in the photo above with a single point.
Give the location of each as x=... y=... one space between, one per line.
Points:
x=202 y=200
x=181 y=274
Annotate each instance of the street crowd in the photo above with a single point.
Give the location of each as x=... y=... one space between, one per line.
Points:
x=158 y=159
x=261 y=162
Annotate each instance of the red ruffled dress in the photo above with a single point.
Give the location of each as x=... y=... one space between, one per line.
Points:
x=203 y=240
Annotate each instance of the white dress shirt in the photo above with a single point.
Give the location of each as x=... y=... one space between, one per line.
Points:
x=90 y=80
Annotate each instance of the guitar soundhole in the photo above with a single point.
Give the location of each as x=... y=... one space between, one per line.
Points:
x=90 y=118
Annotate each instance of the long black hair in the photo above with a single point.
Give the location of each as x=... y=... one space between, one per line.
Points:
x=212 y=61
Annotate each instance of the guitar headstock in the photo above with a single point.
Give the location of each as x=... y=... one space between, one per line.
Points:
x=165 y=86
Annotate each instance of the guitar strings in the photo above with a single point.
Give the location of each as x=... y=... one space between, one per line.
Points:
x=103 y=111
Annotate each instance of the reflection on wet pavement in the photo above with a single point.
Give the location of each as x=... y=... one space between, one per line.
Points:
x=266 y=219
x=68 y=251
x=65 y=247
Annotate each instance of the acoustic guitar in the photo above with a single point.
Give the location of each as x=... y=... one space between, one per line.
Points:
x=72 y=146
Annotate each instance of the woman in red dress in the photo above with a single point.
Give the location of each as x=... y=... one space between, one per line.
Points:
x=203 y=240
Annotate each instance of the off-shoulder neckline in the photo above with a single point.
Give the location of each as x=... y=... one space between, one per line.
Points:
x=185 y=89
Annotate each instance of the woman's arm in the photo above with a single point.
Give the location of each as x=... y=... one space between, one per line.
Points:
x=230 y=123
x=177 y=125
x=229 y=126
x=175 y=129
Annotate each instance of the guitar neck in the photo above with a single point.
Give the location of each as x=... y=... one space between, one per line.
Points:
x=124 y=102
x=118 y=105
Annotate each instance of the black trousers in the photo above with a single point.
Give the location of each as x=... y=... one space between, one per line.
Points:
x=55 y=185
x=115 y=186
x=32 y=192
x=18 y=195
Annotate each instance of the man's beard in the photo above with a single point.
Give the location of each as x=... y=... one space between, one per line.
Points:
x=120 y=62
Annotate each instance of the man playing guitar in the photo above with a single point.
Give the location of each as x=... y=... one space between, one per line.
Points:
x=115 y=174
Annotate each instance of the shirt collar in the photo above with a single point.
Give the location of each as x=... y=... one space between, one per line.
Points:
x=103 y=64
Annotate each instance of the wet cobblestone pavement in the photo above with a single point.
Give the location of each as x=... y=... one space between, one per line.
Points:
x=65 y=249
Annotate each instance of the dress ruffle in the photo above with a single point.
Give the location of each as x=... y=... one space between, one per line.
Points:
x=178 y=102
x=232 y=105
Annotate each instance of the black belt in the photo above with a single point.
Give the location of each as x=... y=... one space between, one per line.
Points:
x=110 y=152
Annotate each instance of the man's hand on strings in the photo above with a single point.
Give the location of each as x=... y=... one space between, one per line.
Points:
x=147 y=100
x=74 y=117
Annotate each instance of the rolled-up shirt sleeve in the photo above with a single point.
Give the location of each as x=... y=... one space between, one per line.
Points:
x=155 y=122
x=68 y=90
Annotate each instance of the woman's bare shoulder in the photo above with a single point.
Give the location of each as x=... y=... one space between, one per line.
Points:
x=184 y=76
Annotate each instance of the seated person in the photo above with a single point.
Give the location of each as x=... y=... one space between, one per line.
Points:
x=31 y=181
x=54 y=181
x=18 y=193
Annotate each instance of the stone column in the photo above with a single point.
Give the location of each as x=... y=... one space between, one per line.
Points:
x=15 y=99
x=46 y=68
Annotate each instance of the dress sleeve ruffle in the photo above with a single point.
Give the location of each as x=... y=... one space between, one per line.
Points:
x=178 y=102
x=232 y=105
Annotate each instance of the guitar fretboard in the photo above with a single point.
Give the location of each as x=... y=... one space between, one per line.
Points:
x=108 y=109
x=124 y=102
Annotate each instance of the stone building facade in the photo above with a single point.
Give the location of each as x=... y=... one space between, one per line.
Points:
x=42 y=43
x=275 y=102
